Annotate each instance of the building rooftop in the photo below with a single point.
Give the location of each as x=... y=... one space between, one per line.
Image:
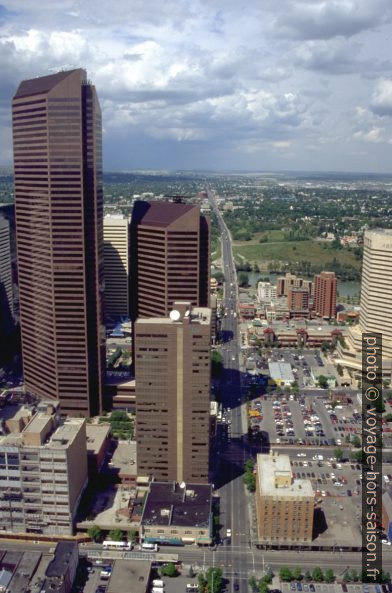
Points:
x=65 y=434
x=281 y=371
x=199 y=315
x=96 y=436
x=62 y=557
x=130 y=575
x=43 y=84
x=38 y=423
x=273 y=469
x=168 y=503
x=124 y=458
x=159 y=214
x=24 y=572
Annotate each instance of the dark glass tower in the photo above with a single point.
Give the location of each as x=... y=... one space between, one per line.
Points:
x=170 y=257
x=57 y=133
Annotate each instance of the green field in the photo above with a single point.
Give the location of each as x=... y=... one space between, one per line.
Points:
x=291 y=251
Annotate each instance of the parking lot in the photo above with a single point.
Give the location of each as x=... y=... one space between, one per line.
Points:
x=304 y=365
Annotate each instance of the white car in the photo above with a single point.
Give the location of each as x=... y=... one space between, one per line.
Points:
x=228 y=532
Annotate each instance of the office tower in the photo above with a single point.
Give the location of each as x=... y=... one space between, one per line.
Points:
x=284 y=505
x=325 y=295
x=44 y=474
x=298 y=302
x=59 y=213
x=170 y=256
x=284 y=283
x=172 y=361
x=116 y=265
x=6 y=288
x=376 y=302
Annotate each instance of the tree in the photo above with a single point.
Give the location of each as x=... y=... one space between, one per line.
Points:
x=95 y=533
x=338 y=453
x=263 y=587
x=329 y=576
x=253 y=583
x=356 y=441
x=168 y=570
x=191 y=572
x=267 y=578
x=307 y=576
x=214 y=580
x=285 y=574
x=297 y=573
x=202 y=583
x=322 y=382
x=116 y=535
x=317 y=574
x=243 y=279
x=132 y=535
x=388 y=417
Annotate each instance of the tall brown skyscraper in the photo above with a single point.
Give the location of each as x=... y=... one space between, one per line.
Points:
x=325 y=295
x=59 y=210
x=172 y=356
x=170 y=257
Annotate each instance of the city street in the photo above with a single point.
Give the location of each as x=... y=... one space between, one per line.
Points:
x=234 y=508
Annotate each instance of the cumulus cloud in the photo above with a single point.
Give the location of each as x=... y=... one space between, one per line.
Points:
x=327 y=19
x=195 y=74
x=382 y=98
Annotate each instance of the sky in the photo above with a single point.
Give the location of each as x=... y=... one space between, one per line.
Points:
x=217 y=84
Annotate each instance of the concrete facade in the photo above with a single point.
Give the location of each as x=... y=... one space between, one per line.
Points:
x=172 y=369
x=284 y=506
x=116 y=265
x=44 y=473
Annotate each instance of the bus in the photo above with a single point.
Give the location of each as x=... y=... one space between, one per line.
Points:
x=145 y=547
x=112 y=545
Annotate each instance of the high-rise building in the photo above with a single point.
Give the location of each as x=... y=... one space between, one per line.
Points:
x=298 y=302
x=59 y=211
x=170 y=256
x=6 y=285
x=325 y=295
x=44 y=473
x=284 y=505
x=116 y=264
x=172 y=363
x=376 y=302
x=284 y=283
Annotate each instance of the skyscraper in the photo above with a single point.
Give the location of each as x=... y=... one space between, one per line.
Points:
x=6 y=288
x=170 y=257
x=376 y=301
x=172 y=361
x=116 y=263
x=59 y=210
x=325 y=295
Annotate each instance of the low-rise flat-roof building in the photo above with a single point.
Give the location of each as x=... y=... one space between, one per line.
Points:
x=44 y=475
x=281 y=373
x=130 y=575
x=177 y=513
x=284 y=505
x=60 y=574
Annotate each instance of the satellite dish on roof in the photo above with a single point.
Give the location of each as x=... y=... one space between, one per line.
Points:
x=174 y=315
x=182 y=485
